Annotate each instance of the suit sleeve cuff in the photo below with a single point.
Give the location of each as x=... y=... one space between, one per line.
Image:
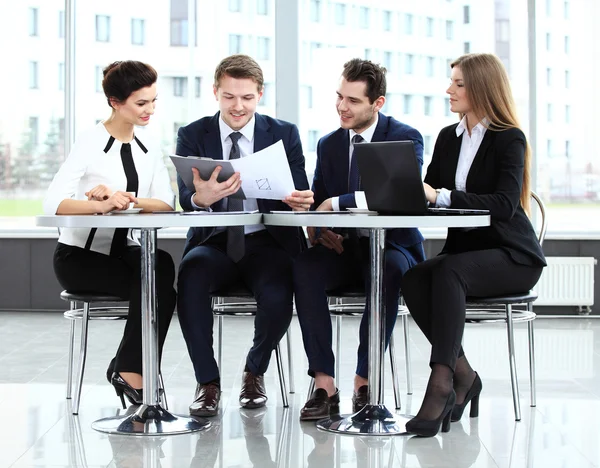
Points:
x=443 y=199
x=196 y=207
x=335 y=203
x=361 y=200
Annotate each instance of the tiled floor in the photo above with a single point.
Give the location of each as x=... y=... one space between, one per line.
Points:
x=562 y=431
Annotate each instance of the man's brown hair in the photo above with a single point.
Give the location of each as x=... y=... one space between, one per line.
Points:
x=371 y=73
x=240 y=66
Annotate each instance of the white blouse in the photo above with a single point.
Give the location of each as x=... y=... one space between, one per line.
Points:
x=96 y=159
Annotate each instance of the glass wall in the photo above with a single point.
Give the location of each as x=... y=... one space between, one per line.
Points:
x=415 y=41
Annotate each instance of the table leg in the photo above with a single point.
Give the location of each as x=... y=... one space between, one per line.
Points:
x=374 y=418
x=149 y=418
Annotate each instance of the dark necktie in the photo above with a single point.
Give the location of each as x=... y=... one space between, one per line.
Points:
x=235 y=234
x=353 y=177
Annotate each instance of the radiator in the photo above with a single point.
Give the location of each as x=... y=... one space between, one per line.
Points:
x=567 y=281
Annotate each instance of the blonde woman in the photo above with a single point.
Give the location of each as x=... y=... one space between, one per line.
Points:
x=481 y=162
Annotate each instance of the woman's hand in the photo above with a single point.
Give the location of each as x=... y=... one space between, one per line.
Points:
x=118 y=201
x=99 y=193
x=430 y=193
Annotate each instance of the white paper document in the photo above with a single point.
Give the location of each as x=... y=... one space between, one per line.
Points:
x=265 y=174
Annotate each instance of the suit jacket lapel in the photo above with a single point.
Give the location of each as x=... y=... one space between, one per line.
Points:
x=381 y=130
x=262 y=135
x=341 y=162
x=212 y=140
x=480 y=155
x=451 y=163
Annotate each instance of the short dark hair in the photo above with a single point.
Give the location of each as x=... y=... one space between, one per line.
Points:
x=371 y=73
x=240 y=66
x=121 y=79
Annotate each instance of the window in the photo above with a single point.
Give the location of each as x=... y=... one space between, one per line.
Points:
x=449 y=67
x=235 y=5
x=407 y=104
x=312 y=140
x=33 y=22
x=340 y=14
x=449 y=30
x=567 y=45
x=267 y=95
x=467 y=47
x=61 y=24
x=567 y=79
x=315 y=11
x=549 y=112
x=34 y=129
x=33 y=75
x=568 y=113
x=566 y=9
x=367 y=54
x=447 y=111
x=429 y=64
x=549 y=148
x=409 y=60
x=138 y=31
x=198 y=85
x=262 y=7
x=179 y=32
x=427 y=105
x=408 y=24
x=429 y=27
x=363 y=19
x=427 y=144
x=549 y=76
x=102 y=28
x=313 y=47
x=548 y=7
x=309 y=96
x=387 y=60
x=99 y=77
x=548 y=42
x=466 y=14
x=387 y=20
x=567 y=149
x=179 y=86
x=264 y=46
x=235 y=44
x=61 y=76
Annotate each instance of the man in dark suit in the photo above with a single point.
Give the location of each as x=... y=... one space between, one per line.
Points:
x=258 y=257
x=341 y=257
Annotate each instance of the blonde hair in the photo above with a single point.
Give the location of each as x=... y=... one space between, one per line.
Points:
x=488 y=89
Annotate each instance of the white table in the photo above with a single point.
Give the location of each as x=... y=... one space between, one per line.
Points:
x=374 y=418
x=150 y=418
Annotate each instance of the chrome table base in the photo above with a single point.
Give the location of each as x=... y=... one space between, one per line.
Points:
x=372 y=420
x=150 y=420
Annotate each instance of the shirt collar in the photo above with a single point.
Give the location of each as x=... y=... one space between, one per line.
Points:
x=369 y=132
x=247 y=130
x=479 y=128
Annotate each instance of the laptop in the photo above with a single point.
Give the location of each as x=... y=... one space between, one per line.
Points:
x=390 y=177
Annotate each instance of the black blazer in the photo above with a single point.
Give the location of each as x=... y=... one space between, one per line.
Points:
x=494 y=183
x=202 y=138
x=331 y=174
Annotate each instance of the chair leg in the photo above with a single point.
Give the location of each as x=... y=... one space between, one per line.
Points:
x=163 y=394
x=531 y=358
x=511 y=361
x=290 y=361
x=71 y=346
x=395 y=383
x=220 y=335
x=338 y=345
x=311 y=389
x=82 y=356
x=405 y=325
x=281 y=376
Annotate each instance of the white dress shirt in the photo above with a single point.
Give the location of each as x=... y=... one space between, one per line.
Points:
x=359 y=196
x=91 y=163
x=246 y=145
x=468 y=149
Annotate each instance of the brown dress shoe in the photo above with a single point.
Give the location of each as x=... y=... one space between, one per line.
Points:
x=253 y=393
x=320 y=405
x=360 y=398
x=206 y=400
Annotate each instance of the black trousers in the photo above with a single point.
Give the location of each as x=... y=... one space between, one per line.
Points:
x=83 y=270
x=435 y=292
x=319 y=269
x=265 y=269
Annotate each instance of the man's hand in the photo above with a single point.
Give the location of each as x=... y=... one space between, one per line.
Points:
x=117 y=201
x=210 y=191
x=99 y=193
x=300 y=200
x=325 y=206
x=430 y=193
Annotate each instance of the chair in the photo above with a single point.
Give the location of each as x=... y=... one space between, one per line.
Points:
x=339 y=309
x=85 y=314
x=500 y=309
x=224 y=305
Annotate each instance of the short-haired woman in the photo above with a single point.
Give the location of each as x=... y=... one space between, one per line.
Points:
x=111 y=166
x=482 y=162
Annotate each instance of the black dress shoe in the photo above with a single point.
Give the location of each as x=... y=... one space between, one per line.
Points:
x=430 y=428
x=471 y=396
x=206 y=400
x=320 y=405
x=253 y=393
x=134 y=395
x=360 y=398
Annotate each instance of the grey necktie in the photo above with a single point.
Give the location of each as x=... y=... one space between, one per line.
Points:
x=235 y=234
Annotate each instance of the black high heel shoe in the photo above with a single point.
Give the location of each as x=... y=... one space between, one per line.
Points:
x=429 y=428
x=471 y=396
x=134 y=395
